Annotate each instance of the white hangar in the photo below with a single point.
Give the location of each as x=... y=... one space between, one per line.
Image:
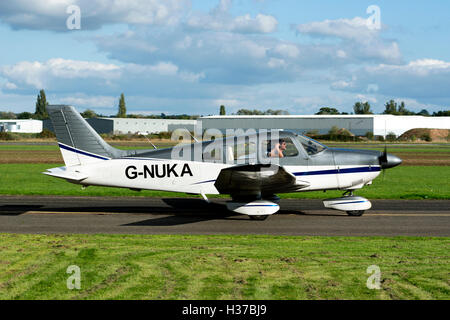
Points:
x=379 y=125
x=139 y=125
x=21 y=125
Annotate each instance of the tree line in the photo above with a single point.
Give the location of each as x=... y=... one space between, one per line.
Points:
x=390 y=107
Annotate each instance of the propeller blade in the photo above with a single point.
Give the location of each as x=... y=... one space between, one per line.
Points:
x=383 y=158
x=387 y=160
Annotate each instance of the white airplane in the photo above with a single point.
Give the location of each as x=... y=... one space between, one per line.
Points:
x=251 y=168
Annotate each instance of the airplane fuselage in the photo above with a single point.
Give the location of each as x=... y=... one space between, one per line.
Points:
x=199 y=177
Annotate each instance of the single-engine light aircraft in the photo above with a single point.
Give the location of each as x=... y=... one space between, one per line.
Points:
x=251 y=168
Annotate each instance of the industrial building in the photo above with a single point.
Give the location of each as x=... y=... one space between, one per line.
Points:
x=379 y=125
x=134 y=125
x=137 y=125
x=21 y=126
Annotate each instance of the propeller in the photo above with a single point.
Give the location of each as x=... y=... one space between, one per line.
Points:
x=387 y=160
x=383 y=160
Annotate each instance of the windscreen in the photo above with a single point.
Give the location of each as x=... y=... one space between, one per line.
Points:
x=311 y=146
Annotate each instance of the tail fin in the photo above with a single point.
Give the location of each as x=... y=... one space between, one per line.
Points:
x=79 y=143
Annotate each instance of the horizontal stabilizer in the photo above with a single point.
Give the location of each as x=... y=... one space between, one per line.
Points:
x=65 y=173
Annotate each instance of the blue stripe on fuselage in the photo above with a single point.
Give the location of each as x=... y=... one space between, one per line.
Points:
x=63 y=146
x=338 y=171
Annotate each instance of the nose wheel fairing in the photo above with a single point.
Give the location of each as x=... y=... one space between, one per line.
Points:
x=353 y=205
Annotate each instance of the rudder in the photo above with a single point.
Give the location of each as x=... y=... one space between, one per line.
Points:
x=79 y=143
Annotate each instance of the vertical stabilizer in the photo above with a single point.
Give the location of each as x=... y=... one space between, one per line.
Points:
x=79 y=143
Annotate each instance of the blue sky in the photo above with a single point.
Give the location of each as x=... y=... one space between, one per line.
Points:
x=182 y=56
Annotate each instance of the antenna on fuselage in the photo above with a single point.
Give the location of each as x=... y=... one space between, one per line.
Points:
x=154 y=147
x=383 y=158
x=193 y=137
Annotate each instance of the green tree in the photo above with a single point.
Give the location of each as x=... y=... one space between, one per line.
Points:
x=7 y=115
x=391 y=136
x=249 y=112
x=25 y=115
x=390 y=107
x=442 y=113
x=222 y=110
x=423 y=112
x=122 y=108
x=276 y=112
x=362 y=108
x=89 y=114
x=261 y=113
x=41 y=106
x=402 y=108
x=328 y=110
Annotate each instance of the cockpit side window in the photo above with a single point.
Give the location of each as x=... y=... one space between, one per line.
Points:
x=283 y=147
x=311 y=146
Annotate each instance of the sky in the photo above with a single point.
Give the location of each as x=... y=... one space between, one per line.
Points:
x=191 y=56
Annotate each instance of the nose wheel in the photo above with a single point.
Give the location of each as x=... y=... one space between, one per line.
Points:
x=352 y=213
x=355 y=213
x=259 y=218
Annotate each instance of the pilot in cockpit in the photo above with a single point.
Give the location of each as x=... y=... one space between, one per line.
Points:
x=277 y=151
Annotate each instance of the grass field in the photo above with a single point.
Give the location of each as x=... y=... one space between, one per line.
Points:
x=222 y=267
x=412 y=155
x=409 y=182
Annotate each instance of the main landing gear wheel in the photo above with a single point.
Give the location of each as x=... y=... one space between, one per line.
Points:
x=260 y=218
x=355 y=213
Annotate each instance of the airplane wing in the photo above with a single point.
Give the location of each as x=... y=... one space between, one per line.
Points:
x=257 y=179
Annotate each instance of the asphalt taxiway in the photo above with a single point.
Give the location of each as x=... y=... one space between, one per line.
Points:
x=136 y=215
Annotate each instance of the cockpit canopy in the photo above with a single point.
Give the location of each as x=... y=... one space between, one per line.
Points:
x=253 y=148
x=311 y=146
x=246 y=148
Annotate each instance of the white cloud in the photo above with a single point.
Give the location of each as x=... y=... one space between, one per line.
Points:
x=220 y=57
x=341 y=54
x=219 y=19
x=40 y=74
x=82 y=100
x=355 y=29
x=342 y=84
x=287 y=50
x=63 y=75
x=358 y=41
x=10 y=86
x=366 y=98
x=276 y=63
x=425 y=80
x=420 y=67
x=51 y=15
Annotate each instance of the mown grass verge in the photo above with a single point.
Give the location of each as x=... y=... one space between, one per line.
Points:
x=407 y=182
x=222 y=267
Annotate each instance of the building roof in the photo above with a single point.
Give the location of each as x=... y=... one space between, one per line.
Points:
x=310 y=116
